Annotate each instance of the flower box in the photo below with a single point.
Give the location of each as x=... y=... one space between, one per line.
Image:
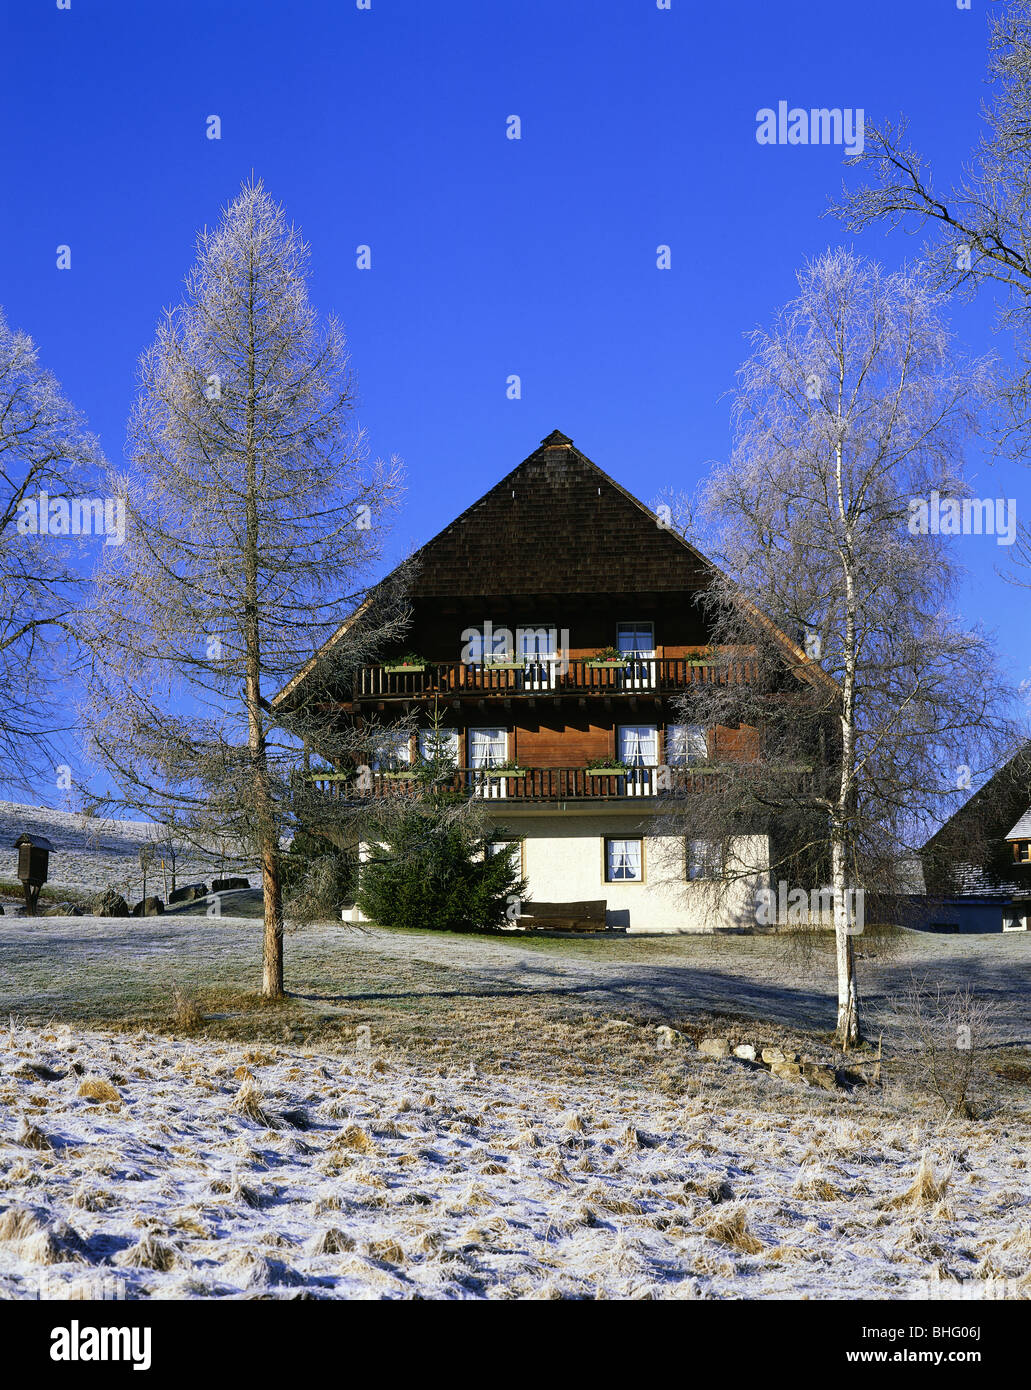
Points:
x=609 y=661
x=607 y=771
x=503 y=665
x=406 y=776
x=501 y=771
x=394 y=668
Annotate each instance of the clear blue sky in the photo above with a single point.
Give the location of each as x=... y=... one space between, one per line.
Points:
x=489 y=256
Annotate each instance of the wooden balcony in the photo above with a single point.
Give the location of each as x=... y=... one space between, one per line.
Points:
x=578 y=677
x=532 y=784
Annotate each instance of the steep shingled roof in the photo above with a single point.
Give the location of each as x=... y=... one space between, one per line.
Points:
x=556 y=523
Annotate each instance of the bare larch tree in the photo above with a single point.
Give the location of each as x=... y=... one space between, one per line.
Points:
x=254 y=519
x=844 y=742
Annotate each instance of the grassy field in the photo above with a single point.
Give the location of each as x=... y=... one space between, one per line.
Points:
x=502 y=1003
x=482 y=1117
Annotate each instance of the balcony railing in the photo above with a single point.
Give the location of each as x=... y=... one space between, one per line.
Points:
x=529 y=784
x=578 y=677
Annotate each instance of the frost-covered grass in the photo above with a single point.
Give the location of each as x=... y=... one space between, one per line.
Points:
x=490 y=1117
x=92 y=852
x=150 y=1166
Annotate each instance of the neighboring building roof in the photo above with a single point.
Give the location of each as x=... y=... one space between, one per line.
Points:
x=1022 y=829
x=971 y=853
x=973 y=880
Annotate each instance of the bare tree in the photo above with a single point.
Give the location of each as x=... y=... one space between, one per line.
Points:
x=952 y=1034
x=980 y=230
x=838 y=745
x=45 y=451
x=253 y=521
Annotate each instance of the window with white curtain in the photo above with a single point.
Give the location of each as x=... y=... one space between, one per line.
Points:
x=638 y=745
x=704 y=859
x=487 y=747
x=624 y=861
x=390 y=750
x=434 y=742
x=635 y=639
x=686 y=745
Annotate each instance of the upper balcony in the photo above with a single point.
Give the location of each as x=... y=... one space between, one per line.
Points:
x=545 y=676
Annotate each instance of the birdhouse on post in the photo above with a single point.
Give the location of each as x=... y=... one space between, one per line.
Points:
x=33 y=866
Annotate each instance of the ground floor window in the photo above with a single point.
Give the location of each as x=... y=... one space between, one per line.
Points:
x=624 y=861
x=704 y=859
x=499 y=845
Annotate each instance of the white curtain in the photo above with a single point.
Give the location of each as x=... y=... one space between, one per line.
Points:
x=624 y=859
x=639 y=745
x=486 y=747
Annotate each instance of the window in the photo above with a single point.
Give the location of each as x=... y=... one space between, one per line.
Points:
x=686 y=745
x=487 y=747
x=635 y=639
x=704 y=859
x=536 y=643
x=391 y=751
x=436 y=743
x=1024 y=851
x=485 y=644
x=638 y=745
x=499 y=846
x=624 y=861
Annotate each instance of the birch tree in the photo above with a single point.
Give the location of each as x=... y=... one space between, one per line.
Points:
x=850 y=736
x=254 y=520
x=45 y=449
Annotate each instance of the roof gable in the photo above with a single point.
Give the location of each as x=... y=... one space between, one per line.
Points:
x=556 y=524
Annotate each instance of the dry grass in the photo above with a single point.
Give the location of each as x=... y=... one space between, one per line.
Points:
x=730 y=1227
x=927 y=1189
x=186 y=1016
x=247 y=1102
x=149 y=1252
x=95 y=1088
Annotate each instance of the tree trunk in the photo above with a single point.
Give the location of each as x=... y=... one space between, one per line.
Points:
x=847 y=1032
x=272 y=954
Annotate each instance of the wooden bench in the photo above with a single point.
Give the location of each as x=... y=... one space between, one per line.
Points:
x=582 y=916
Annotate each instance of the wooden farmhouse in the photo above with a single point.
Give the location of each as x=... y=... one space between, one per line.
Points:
x=554 y=626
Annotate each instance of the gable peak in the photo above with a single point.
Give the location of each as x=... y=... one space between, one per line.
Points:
x=556 y=440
